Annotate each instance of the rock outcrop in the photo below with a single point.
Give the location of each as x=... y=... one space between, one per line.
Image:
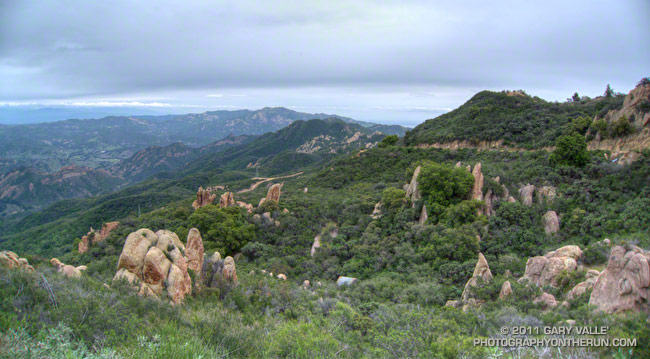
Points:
x=249 y=207
x=546 y=194
x=226 y=200
x=93 y=237
x=482 y=272
x=194 y=253
x=625 y=283
x=218 y=272
x=581 y=288
x=546 y=300
x=506 y=290
x=315 y=245
x=551 y=222
x=412 y=189
x=203 y=198
x=66 y=269
x=342 y=280
x=526 y=194
x=274 y=192
x=477 y=188
x=156 y=262
x=9 y=259
x=376 y=212
x=423 y=215
x=543 y=270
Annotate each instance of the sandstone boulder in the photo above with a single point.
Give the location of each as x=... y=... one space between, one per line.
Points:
x=178 y=285
x=66 y=269
x=203 y=198
x=226 y=200
x=551 y=222
x=376 y=212
x=625 y=283
x=274 y=192
x=249 y=207
x=482 y=272
x=282 y=276
x=506 y=290
x=166 y=236
x=305 y=284
x=229 y=269
x=526 y=194
x=546 y=300
x=155 y=269
x=9 y=259
x=543 y=270
x=194 y=251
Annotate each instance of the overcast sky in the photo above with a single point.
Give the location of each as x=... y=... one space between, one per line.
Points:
x=384 y=61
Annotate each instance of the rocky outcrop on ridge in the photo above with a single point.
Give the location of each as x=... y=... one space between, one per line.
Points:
x=203 y=198
x=9 y=259
x=93 y=237
x=526 y=194
x=412 y=189
x=226 y=200
x=482 y=272
x=625 y=283
x=543 y=270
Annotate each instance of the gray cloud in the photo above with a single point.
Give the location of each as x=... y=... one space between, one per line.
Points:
x=66 y=50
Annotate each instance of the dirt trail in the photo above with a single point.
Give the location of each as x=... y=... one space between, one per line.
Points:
x=266 y=179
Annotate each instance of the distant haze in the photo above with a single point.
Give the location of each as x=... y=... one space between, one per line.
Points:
x=383 y=61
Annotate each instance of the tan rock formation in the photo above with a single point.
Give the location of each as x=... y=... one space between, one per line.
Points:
x=543 y=270
x=194 y=251
x=9 y=259
x=282 y=276
x=203 y=198
x=551 y=222
x=154 y=263
x=546 y=194
x=624 y=284
x=477 y=188
x=66 y=269
x=481 y=271
x=526 y=194
x=546 y=300
x=315 y=245
x=229 y=269
x=226 y=200
x=413 y=190
x=305 y=284
x=249 y=207
x=506 y=290
x=93 y=237
x=423 y=215
x=582 y=287
x=376 y=212
x=274 y=192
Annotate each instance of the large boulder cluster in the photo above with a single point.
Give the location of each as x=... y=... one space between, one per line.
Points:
x=544 y=270
x=481 y=275
x=203 y=198
x=159 y=264
x=9 y=259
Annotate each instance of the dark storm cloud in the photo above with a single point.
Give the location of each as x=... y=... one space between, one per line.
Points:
x=68 y=49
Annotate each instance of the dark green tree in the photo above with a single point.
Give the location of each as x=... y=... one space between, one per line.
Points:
x=444 y=185
x=608 y=91
x=388 y=141
x=570 y=150
x=575 y=97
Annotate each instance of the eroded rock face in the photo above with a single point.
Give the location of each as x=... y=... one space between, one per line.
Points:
x=543 y=270
x=482 y=271
x=343 y=280
x=274 y=192
x=155 y=263
x=9 y=259
x=93 y=236
x=526 y=194
x=229 y=269
x=203 y=198
x=581 y=288
x=413 y=190
x=477 y=188
x=315 y=245
x=376 y=212
x=624 y=284
x=249 y=207
x=226 y=200
x=551 y=222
